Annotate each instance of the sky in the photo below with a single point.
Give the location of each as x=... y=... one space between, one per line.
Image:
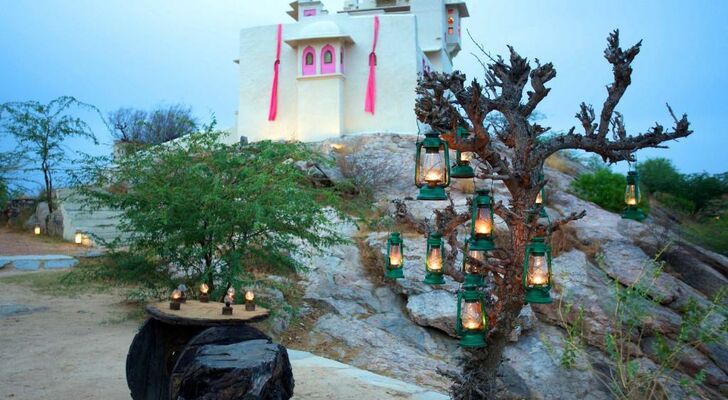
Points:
x=144 y=53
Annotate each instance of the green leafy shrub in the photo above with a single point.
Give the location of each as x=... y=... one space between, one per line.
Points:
x=659 y=175
x=216 y=213
x=602 y=187
x=675 y=203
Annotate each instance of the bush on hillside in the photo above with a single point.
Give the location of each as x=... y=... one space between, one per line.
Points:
x=660 y=175
x=602 y=187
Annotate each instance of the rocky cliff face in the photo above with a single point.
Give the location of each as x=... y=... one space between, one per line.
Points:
x=405 y=328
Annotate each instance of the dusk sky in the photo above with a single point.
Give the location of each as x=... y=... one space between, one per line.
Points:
x=134 y=53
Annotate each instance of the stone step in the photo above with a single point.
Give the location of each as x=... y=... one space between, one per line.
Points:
x=36 y=262
x=321 y=378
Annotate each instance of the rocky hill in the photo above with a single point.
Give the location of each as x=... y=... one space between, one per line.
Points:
x=405 y=328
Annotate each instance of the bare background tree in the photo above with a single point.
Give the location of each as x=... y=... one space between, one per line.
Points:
x=513 y=152
x=157 y=126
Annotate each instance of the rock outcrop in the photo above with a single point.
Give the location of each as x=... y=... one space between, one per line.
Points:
x=404 y=326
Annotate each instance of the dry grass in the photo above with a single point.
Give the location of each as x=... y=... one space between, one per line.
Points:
x=562 y=164
x=565 y=239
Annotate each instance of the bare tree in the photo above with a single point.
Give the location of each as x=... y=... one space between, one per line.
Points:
x=446 y=102
x=154 y=127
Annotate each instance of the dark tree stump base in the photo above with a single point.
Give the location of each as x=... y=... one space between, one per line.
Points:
x=196 y=353
x=226 y=363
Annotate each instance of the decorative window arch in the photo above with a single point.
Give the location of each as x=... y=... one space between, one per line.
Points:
x=309 y=61
x=328 y=59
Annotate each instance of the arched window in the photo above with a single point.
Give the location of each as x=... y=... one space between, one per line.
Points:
x=328 y=59
x=309 y=61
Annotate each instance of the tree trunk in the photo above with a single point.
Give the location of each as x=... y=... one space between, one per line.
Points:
x=48 y=187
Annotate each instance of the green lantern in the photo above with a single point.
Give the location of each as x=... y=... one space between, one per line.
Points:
x=462 y=168
x=471 y=324
x=632 y=198
x=395 y=257
x=432 y=169
x=481 y=225
x=435 y=261
x=472 y=271
x=537 y=271
x=541 y=198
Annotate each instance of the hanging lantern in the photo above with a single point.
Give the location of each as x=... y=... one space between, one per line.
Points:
x=432 y=169
x=541 y=198
x=462 y=168
x=471 y=323
x=471 y=269
x=435 y=261
x=395 y=257
x=36 y=229
x=481 y=226
x=537 y=272
x=78 y=237
x=632 y=198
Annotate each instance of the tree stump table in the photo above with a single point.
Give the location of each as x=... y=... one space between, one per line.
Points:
x=223 y=351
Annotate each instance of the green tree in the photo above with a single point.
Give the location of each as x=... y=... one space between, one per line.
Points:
x=602 y=187
x=41 y=129
x=217 y=213
x=659 y=175
x=702 y=188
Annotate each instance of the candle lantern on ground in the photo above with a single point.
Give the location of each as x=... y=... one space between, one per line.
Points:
x=227 y=309
x=249 y=301
x=462 y=168
x=204 y=293
x=435 y=260
x=481 y=226
x=78 y=237
x=395 y=257
x=632 y=198
x=432 y=168
x=537 y=271
x=174 y=304
x=471 y=268
x=36 y=229
x=471 y=323
x=541 y=198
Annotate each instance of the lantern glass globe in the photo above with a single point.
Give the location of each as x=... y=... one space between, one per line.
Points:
x=471 y=267
x=538 y=273
x=434 y=259
x=471 y=315
x=631 y=197
x=395 y=256
x=433 y=168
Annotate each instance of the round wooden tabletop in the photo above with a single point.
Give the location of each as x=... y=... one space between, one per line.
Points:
x=193 y=312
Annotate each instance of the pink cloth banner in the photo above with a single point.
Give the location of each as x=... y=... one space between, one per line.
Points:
x=273 y=110
x=372 y=83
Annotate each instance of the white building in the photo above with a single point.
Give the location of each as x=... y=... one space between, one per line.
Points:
x=324 y=67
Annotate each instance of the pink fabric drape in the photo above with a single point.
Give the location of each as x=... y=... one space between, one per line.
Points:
x=273 y=109
x=372 y=83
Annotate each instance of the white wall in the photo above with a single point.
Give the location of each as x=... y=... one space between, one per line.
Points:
x=396 y=75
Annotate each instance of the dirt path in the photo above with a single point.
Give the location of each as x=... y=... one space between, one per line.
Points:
x=75 y=348
x=14 y=243
x=71 y=348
